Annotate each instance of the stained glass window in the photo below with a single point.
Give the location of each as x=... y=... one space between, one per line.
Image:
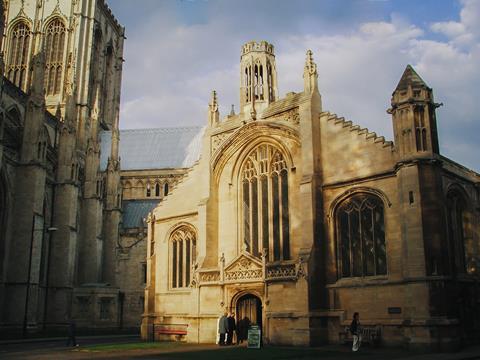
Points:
x=18 y=56
x=54 y=50
x=183 y=248
x=361 y=237
x=265 y=214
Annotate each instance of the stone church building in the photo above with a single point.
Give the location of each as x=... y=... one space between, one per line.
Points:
x=73 y=197
x=296 y=218
x=283 y=213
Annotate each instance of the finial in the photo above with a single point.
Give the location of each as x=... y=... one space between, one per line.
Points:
x=309 y=63
x=232 y=111
x=213 y=102
x=310 y=74
x=213 y=113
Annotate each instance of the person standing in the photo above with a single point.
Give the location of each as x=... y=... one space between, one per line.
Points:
x=71 y=333
x=222 y=328
x=242 y=330
x=356 y=333
x=231 y=328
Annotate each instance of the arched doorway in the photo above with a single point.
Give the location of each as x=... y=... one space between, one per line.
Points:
x=250 y=306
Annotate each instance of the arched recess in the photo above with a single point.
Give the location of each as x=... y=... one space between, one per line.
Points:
x=182 y=254
x=248 y=135
x=358 y=227
x=463 y=253
x=245 y=302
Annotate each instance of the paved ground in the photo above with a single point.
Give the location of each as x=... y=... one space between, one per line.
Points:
x=55 y=349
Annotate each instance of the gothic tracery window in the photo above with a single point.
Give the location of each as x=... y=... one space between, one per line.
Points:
x=264 y=196
x=183 y=254
x=18 y=54
x=54 y=50
x=361 y=236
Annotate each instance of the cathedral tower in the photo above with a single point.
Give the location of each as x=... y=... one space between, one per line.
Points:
x=258 y=77
x=413 y=115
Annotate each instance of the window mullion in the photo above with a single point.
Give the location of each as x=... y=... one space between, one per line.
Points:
x=362 y=247
x=374 y=244
x=280 y=215
x=270 y=217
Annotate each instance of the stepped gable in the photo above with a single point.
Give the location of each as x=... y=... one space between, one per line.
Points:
x=348 y=125
x=410 y=77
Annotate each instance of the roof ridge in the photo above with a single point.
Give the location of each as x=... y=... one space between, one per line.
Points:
x=173 y=128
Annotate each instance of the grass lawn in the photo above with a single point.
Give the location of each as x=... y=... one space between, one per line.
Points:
x=178 y=350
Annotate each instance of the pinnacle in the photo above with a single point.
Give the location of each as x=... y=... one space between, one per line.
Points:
x=410 y=77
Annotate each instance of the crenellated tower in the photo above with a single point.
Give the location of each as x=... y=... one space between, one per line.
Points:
x=258 y=77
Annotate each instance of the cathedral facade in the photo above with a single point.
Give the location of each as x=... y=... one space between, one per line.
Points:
x=73 y=197
x=60 y=212
x=296 y=218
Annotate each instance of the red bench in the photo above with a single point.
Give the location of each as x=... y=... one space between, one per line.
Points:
x=171 y=329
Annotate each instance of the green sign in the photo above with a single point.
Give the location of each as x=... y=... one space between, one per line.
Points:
x=254 y=337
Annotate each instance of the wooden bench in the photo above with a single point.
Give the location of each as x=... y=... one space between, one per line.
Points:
x=370 y=335
x=171 y=329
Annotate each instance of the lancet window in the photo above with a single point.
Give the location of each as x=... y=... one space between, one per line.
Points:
x=420 y=129
x=457 y=230
x=361 y=236
x=258 y=81
x=183 y=253
x=54 y=48
x=248 y=83
x=18 y=56
x=265 y=207
x=270 y=82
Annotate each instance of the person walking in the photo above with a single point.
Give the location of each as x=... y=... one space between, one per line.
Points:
x=356 y=332
x=231 y=328
x=222 y=328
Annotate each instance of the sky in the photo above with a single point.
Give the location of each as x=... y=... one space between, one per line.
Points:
x=178 y=51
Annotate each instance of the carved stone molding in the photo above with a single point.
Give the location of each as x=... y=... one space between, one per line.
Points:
x=218 y=139
x=292 y=116
x=209 y=276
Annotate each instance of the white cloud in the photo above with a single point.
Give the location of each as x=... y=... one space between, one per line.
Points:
x=451 y=29
x=171 y=69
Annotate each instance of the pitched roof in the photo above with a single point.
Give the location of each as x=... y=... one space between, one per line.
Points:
x=162 y=148
x=134 y=211
x=410 y=77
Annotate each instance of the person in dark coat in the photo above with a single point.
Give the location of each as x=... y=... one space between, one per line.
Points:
x=242 y=331
x=72 y=327
x=222 y=328
x=231 y=328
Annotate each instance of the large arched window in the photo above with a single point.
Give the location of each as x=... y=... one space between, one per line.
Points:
x=54 y=49
x=457 y=231
x=264 y=196
x=19 y=44
x=183 y=253
x=361 y=236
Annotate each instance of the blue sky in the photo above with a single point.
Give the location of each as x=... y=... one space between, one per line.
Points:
x=177 y=51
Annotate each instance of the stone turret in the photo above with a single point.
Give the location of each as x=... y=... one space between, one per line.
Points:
x=413 y=116
x=258 y=77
